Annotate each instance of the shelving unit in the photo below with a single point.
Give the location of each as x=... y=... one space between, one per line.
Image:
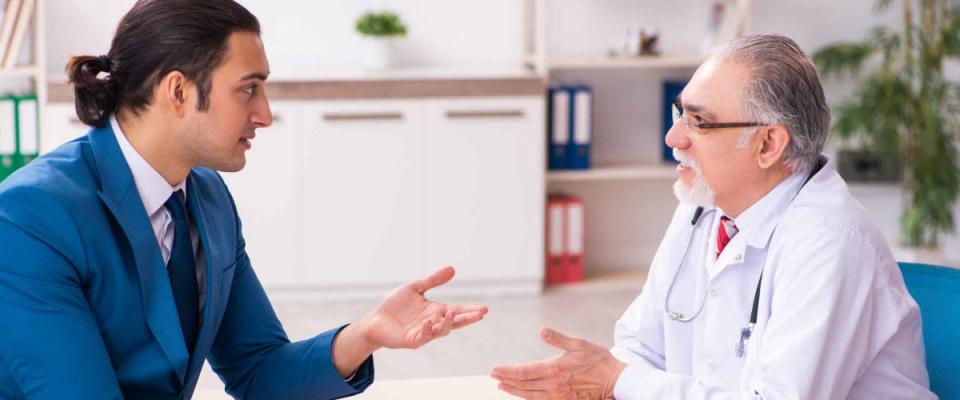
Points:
x=36 y=70
x=613 y=172
x=628 y=190
x=607 y=62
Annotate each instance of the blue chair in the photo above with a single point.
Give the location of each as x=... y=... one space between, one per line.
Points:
x=937 y=290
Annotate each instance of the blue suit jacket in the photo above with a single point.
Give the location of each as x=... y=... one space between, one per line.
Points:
x=86 y=309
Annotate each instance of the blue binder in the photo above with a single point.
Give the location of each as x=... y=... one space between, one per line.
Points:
x=581 y=126
x=558 y=126
x=671 y=90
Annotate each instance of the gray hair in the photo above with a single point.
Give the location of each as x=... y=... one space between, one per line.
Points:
x=783 y=89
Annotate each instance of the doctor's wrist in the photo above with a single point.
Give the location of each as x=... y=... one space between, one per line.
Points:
x=614 y=368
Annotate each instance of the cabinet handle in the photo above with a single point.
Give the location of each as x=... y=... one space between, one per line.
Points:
x=464 y=114
x=277 y=119
x=373 y=116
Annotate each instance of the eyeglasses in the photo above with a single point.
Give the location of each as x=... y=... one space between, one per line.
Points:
x=689 y=123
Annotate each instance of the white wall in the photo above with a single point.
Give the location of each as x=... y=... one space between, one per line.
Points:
x=302 y=35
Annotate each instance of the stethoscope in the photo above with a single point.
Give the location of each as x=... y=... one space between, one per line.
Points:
x=746 y=331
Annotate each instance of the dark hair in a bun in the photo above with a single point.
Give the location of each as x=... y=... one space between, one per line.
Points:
x=154 y=38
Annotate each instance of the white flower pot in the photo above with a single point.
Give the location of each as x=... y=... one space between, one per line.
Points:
x=378 y=53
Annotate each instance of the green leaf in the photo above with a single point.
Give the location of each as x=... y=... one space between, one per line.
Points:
x=882 y=5
x=380 y=24
x=841 y=57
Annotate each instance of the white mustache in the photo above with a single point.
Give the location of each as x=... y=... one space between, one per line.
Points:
x=686 y=160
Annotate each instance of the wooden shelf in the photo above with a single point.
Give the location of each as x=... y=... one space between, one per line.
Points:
x=638 y=62
x=632 y=171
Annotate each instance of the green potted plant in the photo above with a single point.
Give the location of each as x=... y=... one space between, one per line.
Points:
x=904 y=109
x=380 y=30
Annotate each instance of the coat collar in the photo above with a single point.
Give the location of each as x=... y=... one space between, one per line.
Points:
x=758 y=222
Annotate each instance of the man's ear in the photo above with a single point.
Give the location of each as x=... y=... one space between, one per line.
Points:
x=173 y=90
x=774 y=140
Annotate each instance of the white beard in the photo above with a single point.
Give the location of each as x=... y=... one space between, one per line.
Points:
x=698 y=193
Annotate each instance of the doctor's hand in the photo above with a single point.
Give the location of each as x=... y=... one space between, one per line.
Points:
x=405 y=319
x=585 y=370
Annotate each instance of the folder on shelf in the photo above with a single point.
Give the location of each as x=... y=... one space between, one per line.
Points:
x=8 y=125
x=556 y=256
x=558 y=126
x=582 y=127
x=28 y=120
x=21 y=24
x=8 y=136
x=575 y=239
x=565 y=240
x=671 y=90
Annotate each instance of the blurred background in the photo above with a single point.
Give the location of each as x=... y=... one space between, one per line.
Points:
x=518 y=140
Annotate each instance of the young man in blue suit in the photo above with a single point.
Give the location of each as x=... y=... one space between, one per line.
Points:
x=122 y=261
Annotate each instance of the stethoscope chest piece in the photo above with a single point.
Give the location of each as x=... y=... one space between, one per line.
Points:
x=744 y=341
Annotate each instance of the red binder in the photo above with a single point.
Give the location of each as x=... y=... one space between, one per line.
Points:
x=556 y=253
x=565 y=240
x=575 y=239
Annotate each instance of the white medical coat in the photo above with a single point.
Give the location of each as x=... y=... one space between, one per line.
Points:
x=835 y=320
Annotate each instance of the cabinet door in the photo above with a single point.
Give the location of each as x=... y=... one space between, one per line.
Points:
x=362 y=193
x=267 y=193
x=60 y=125
x=483 y=187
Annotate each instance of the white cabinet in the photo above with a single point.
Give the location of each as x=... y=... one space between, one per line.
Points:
x=362 y=209
x=269 y=198
x=367 y=194
x=483 y=187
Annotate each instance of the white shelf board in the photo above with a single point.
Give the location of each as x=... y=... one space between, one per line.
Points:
x=631 y=171
x=19 y=71
x=605 y=281
x=623 y=62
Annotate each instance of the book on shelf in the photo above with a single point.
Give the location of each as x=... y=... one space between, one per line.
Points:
x=9 y=8
x=20 y=26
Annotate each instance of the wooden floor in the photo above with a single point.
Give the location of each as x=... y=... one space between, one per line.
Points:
x=507 y=335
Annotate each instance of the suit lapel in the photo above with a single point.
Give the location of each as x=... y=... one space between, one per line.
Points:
x=118 y=192
x=211 y=252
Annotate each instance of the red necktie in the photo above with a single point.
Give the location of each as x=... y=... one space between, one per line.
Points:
x=726 y=231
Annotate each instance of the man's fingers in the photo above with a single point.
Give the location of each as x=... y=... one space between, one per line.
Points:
x=523 y=372
x=423 y=334
x=467 y=308
x=557 y=339
x=444 y=326
x=441 y=276
x=464 y=319
x=549 y=385
x=525 y=394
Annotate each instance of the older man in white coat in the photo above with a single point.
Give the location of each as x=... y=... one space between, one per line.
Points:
x=771 y=281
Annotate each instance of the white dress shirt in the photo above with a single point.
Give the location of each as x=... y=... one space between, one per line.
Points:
x=835 y=320
x=154 y=191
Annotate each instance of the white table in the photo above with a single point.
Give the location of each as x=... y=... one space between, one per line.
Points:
x=459 y=387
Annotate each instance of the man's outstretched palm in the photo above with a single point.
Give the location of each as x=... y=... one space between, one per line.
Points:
x=407 y=319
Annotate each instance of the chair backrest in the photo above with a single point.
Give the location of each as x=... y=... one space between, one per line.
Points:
x=937 y=290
